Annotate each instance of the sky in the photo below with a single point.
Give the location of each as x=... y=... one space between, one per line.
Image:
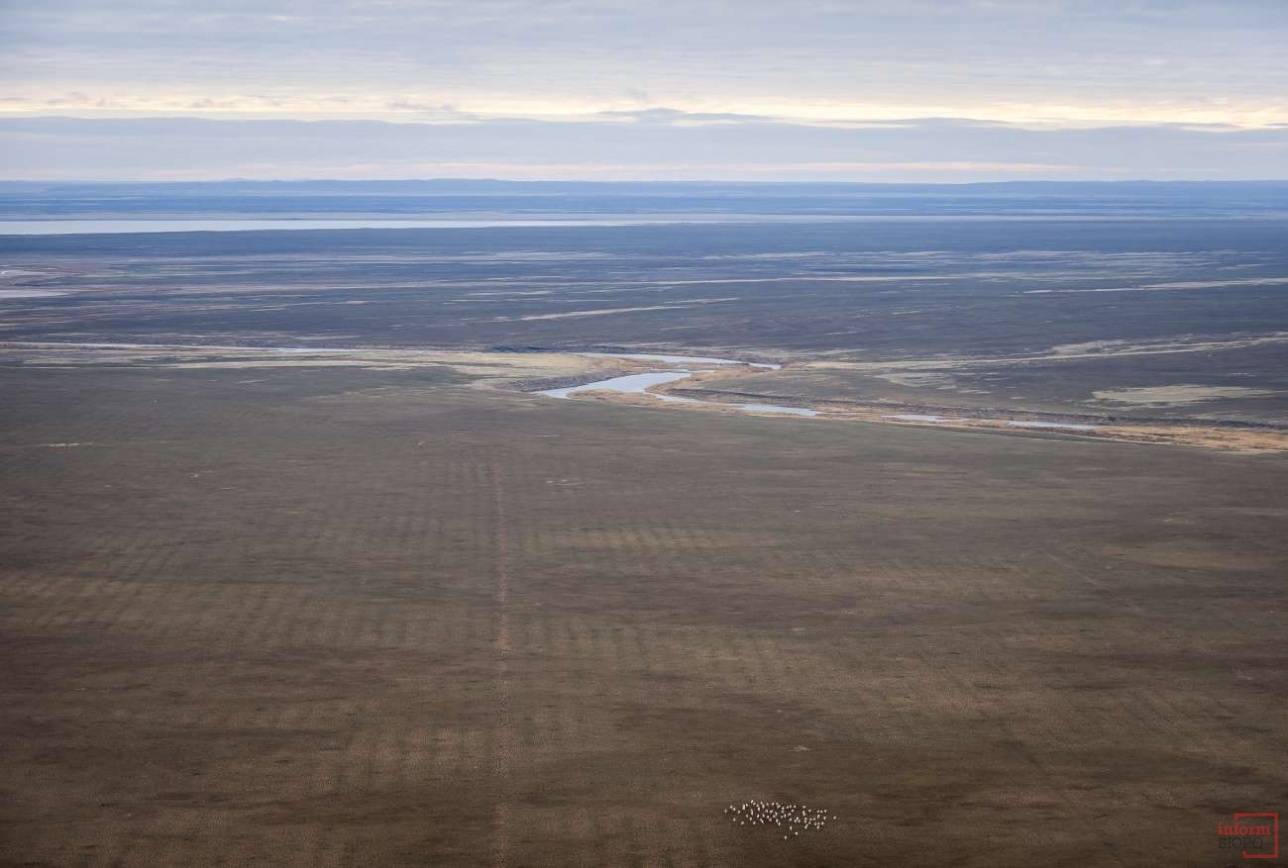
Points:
x=905 y=90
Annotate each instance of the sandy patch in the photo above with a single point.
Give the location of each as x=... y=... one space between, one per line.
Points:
x=294 y=363
x=485 y=365
x=1177 y=395
x=927 y=380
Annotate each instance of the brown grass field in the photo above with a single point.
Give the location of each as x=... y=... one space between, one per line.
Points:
x=328 y=616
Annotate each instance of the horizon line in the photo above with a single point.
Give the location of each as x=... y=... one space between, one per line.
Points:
x=760 y=182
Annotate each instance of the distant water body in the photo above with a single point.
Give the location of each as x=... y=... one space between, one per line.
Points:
x=130 y=227
x=146 y=226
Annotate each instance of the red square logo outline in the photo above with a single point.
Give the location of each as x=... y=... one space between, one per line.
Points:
x=1273 y=817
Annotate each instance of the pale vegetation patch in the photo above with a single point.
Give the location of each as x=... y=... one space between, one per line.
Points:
x=1177 y=395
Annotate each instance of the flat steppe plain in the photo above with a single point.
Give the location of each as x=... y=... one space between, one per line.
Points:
x=294 y=572
x=341 y=616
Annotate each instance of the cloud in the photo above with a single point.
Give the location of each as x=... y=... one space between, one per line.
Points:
x=1037 y=62
x=868 y=89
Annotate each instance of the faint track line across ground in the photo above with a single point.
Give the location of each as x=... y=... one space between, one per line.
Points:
x=504 y=723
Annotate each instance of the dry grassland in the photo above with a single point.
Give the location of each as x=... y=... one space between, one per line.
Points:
x=345 y=617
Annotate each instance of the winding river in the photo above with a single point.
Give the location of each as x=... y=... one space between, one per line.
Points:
x=639 y=384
